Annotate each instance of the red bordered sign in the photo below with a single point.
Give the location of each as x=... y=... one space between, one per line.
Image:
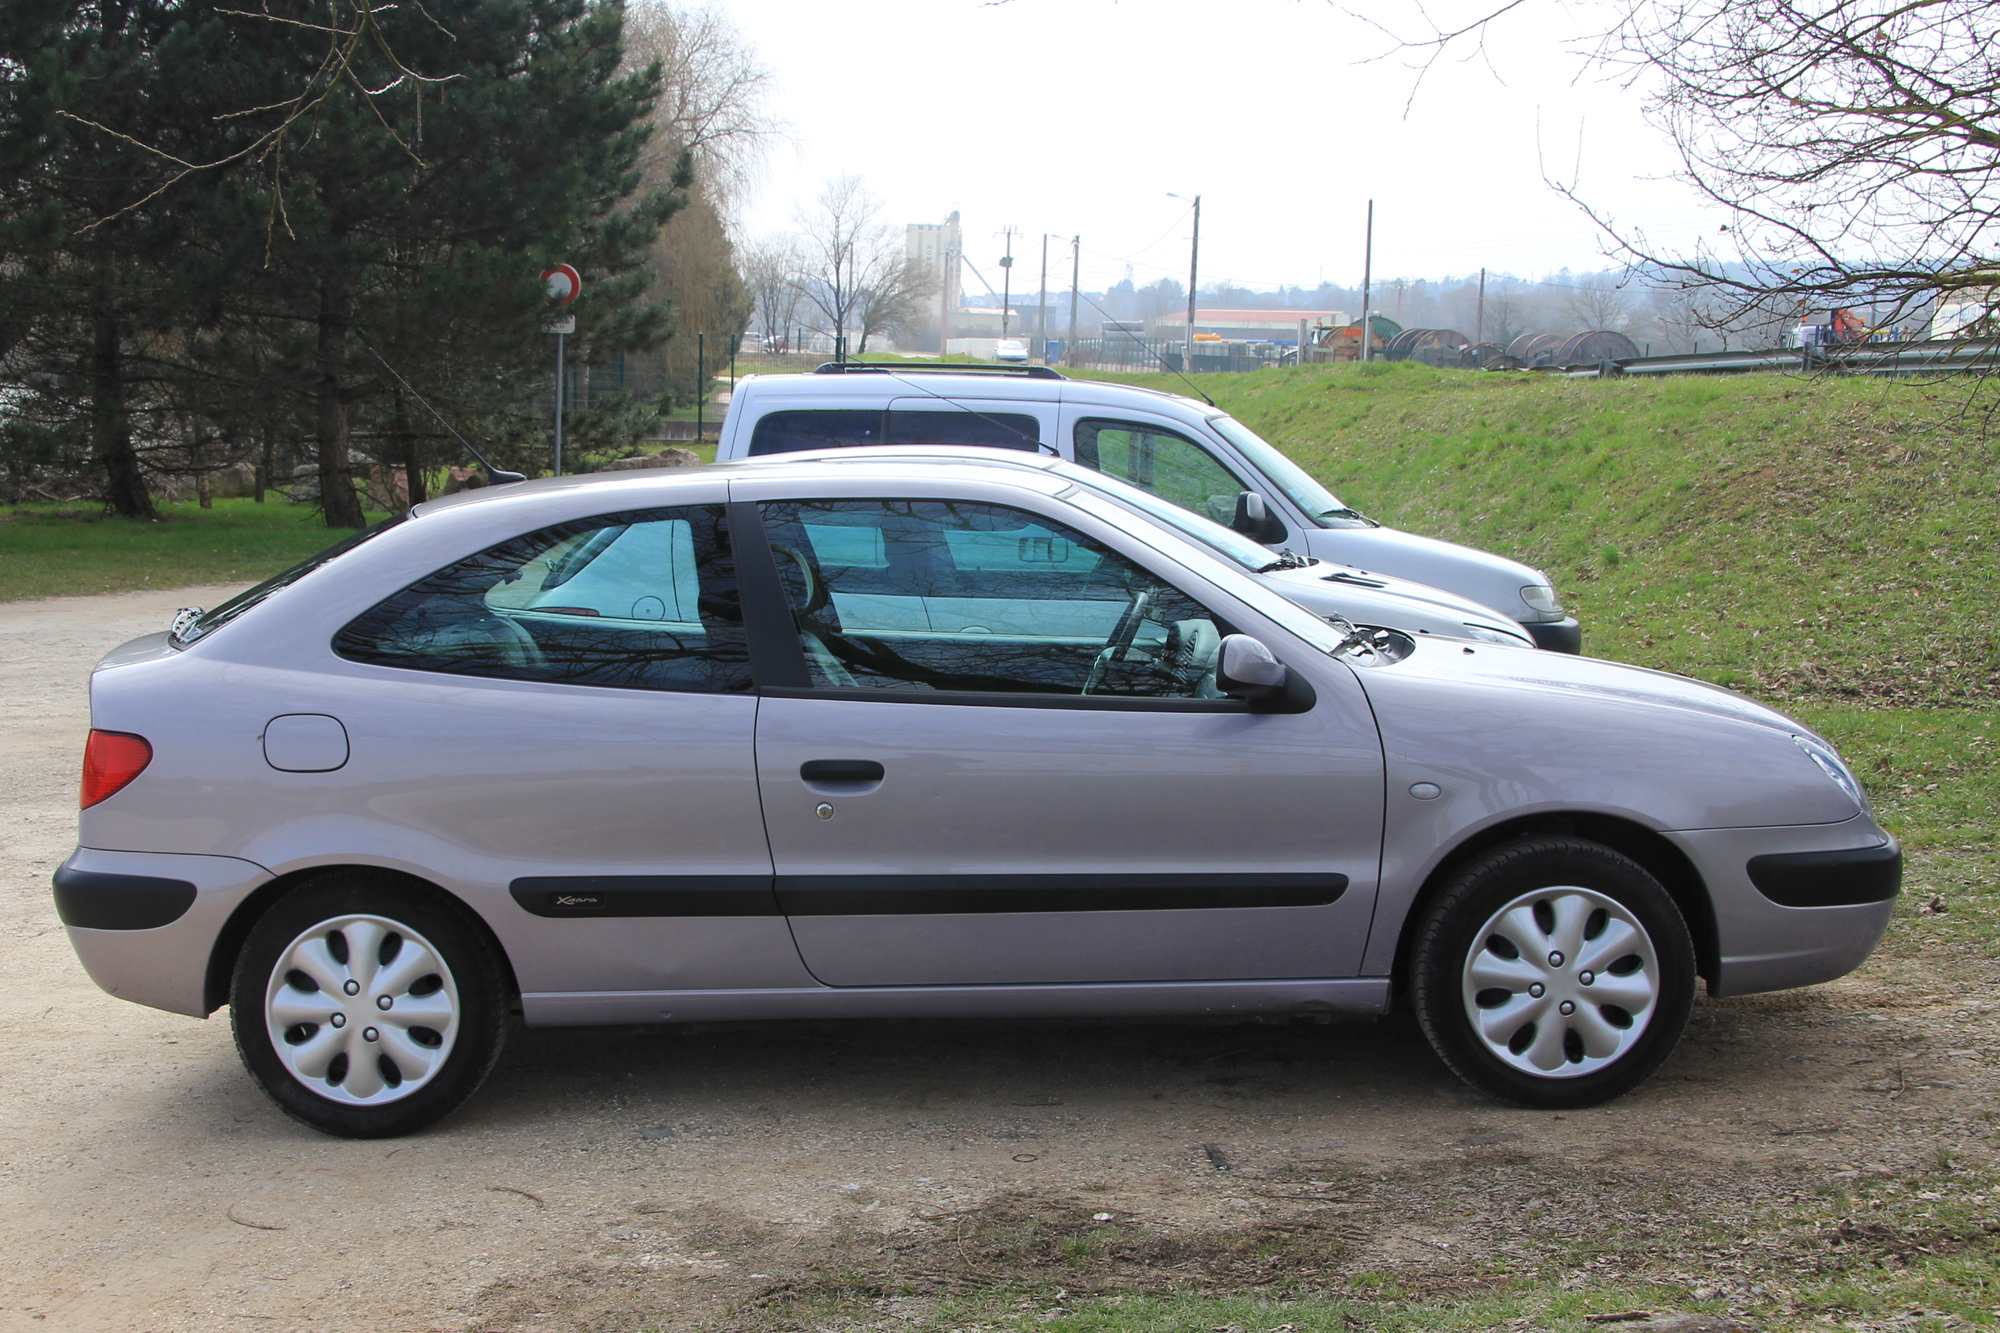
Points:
x=563 y=283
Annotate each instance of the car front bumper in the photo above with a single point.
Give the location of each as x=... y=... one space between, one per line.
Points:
x=1556 y=636
x=1763 y=945
x=144 y=925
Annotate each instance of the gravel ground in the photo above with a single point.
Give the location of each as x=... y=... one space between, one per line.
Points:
x=623 y=1179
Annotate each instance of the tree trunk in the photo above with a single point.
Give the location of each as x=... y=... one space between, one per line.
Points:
x=110 y=429
x=337 y=499
x=266 y=463
x=413 y=468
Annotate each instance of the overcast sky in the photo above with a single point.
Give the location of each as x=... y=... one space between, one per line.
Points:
x=1079 y=116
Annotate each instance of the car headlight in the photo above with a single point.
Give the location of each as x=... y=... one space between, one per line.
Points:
x=1829 y=764
x=1541 y=597
x=1489 y=634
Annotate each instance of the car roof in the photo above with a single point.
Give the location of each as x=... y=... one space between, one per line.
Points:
x=640 y=486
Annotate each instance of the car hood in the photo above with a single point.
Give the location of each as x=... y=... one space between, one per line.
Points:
x=1333 y=584
x=1491 y=580
x=1567 y=676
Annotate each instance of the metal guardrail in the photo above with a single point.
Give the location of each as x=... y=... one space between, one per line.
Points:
x=1915 y=358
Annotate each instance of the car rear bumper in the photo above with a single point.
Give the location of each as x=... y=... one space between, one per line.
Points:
x=1764 y=945
x=1556 y=636
x=144 y=925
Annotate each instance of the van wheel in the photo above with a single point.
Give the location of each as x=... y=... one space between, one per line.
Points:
x=367 y=1007
x=1553 y=972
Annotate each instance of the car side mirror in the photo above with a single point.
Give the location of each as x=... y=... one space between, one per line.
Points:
x=1255 y=520
x=1245 y=669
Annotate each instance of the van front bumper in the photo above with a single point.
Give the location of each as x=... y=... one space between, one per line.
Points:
x=1557 y=636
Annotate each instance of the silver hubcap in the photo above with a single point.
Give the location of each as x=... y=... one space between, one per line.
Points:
x=362 y=1010
x=1560 y=982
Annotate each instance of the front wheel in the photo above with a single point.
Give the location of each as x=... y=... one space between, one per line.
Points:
x=1553 y=972
x=367 y=1007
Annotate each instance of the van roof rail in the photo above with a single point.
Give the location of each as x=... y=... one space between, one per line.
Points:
x=935 y=368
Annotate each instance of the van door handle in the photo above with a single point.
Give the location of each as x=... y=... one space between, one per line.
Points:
x=841 y=770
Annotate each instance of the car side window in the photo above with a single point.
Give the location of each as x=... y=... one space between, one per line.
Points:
x=1168 y=464
x=642 y=600
x=846 y=428
x=949 y=595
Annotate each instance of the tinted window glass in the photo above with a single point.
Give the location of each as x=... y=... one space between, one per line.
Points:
x=986 y=430
x=643 y=600
x=798 y=432
x=941 y=595
x=1168 y=465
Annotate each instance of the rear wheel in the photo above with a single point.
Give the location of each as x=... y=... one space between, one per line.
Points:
x=368 y=1007
x=1554 y=972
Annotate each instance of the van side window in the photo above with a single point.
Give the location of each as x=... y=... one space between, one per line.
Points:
x=798 y=432
x=1167 y=464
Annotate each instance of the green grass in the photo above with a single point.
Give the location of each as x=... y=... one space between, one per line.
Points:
x=52 y=551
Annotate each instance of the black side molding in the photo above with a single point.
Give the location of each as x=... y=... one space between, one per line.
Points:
x=952 y=895
x=97 y=901
x=646 y=895
x=1830 y=879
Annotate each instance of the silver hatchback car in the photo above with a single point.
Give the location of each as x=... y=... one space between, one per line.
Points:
x=814 y=739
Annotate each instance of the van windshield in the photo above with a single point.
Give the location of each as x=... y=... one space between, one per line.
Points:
x=1315 y=499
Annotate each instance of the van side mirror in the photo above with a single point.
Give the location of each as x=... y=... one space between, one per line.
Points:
x=1255 y=520
x=1246 y=670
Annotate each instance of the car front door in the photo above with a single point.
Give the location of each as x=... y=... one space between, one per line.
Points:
x=1004 y=761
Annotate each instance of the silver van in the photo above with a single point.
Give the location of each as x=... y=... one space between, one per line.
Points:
x=1180 y=449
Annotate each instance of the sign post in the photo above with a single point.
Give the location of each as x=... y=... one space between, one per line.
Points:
x=563 y=284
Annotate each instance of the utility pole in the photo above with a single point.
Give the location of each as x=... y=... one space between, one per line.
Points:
x=1479 y=329
x=1194 y=273
x=1367 y=274
x=1042 y=306
x=1075 y=268
x=1007 y=275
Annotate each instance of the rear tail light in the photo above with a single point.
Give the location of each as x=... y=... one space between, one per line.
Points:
x=111 y=759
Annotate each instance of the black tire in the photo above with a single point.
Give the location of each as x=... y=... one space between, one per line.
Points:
x=472 y=981
x=1452 y=940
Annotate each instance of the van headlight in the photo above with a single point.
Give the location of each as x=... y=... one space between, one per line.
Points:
x=1541 y=597
x=1489 y=634
x=1829 y=764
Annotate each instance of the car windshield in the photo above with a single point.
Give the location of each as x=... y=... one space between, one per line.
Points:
x=210 y=621
x=1315 y=499
x=1209 y=533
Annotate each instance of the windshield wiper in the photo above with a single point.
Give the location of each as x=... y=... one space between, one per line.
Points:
x=1287 y=559
x=1355 y=514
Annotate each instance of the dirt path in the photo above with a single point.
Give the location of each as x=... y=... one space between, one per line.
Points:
x=622 y=1179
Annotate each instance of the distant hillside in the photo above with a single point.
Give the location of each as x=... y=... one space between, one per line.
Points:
x=1830 y=540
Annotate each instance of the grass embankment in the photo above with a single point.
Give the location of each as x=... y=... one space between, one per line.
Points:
x=53 y=551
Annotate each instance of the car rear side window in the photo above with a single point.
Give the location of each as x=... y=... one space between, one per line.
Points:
x=641 y=600
x=950 y=595
x=808 y=431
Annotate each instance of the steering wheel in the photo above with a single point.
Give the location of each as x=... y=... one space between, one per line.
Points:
x=817 y=594
x=1122 y=635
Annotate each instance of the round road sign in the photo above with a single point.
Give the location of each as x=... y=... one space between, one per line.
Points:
x=563 y=283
